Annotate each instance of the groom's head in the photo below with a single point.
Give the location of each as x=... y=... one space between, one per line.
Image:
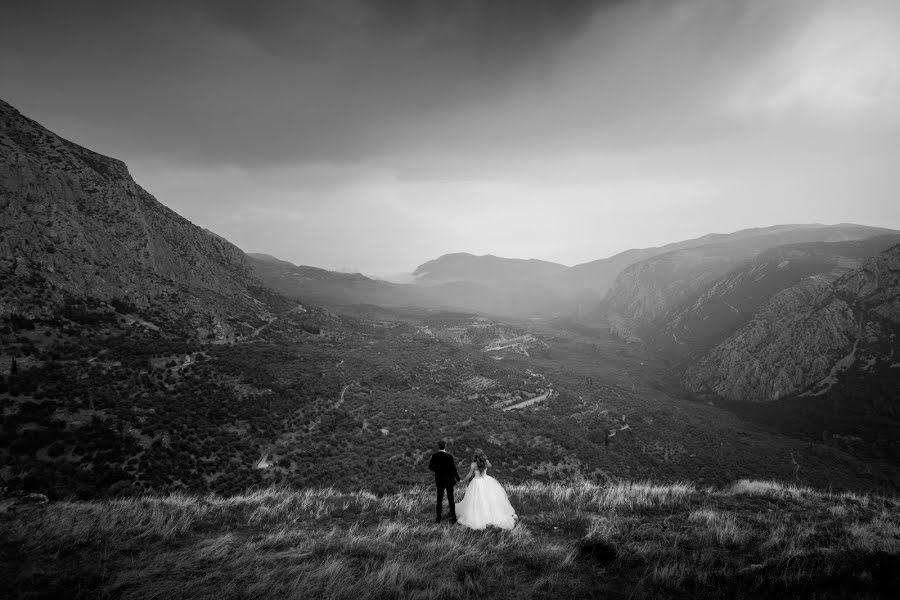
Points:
x=442 y=445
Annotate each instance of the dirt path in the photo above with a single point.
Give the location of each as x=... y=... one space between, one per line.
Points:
x=259 y=330
x=341 y=399
x=529 y=402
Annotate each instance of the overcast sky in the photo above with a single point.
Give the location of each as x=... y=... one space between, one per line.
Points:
x=376 y=135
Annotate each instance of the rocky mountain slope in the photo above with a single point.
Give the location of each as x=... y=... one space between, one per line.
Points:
x=644 y=292
x=718 y=310
x=591 y=280
x=525 y=288
x=76 y=226
x=803 y=337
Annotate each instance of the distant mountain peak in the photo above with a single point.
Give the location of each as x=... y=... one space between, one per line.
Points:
x=485 y=269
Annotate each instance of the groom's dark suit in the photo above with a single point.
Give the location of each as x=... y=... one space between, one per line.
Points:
x=445 y=477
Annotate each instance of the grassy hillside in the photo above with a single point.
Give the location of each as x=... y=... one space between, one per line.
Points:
x=749 y=539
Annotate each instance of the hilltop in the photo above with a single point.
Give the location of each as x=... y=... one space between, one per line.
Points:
x=624 y=540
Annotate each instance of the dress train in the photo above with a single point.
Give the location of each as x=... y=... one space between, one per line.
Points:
x=485 y=503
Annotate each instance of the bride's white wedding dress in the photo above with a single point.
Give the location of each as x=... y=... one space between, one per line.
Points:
x=485 y=503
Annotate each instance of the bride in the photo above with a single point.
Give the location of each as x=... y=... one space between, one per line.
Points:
x=485 y=502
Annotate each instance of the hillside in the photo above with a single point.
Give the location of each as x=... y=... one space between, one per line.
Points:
x=488 y=270
x=644 y=292
x=668 y=274
x=492 y=285
x=809 y=328
x=76 y=227
x=750 y=539
x=487 y=284
x=343 y=291
x=719 y=309
x=591 y=280
x=331 y=288
x=805 y=335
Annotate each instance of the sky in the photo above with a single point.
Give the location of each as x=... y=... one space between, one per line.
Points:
x=374 y=135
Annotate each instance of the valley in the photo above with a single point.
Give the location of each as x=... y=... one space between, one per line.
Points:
x=137 y=360
x=338 y=400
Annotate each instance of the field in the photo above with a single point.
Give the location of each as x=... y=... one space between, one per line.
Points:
x=624 y=540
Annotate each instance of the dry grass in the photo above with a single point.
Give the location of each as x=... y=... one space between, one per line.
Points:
x=584 y=495
x=580 y=539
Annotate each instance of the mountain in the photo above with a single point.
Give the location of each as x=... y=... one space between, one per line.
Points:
x=644 y=292
x=809 y=329
x=769 y=326
x=488 y=270
x=718 y=310
x=493 y=285
x=818 y=361
x=76 y=226
x=331 y=288
x=593 y=279
x=334 y=289
x=533 y=288
x=803 y=337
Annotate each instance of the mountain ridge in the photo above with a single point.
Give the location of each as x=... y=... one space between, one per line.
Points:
x=78 y=224
x=806 y=334
x=486 y=269
x=716 y=311
x=598 y=276
x=579 y=290
x=645 y=291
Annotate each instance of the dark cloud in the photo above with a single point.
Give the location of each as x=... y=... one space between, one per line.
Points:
x=320 y=130
x=257 y=83
x=494 y=32
x=422 y=83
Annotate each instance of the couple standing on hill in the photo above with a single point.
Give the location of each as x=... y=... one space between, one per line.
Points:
x=485 y=502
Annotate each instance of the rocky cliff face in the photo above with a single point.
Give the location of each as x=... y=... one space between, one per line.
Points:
x=721 y=308
x=646 y=292
x=804 y=337
x=75 y=224
x=595 y=278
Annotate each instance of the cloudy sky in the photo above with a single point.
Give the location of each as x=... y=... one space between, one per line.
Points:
x=378 y=134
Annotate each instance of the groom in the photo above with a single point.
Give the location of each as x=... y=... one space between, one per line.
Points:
x=445 y=476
